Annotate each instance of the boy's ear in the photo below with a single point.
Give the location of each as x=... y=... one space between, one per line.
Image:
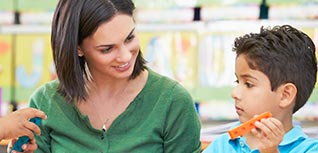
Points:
x=80 y=53
x=288 y=92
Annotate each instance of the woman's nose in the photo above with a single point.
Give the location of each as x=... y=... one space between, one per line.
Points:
x=124 y=54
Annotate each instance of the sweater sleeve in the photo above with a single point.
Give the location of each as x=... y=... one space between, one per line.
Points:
x=182 y=127
x=39 y=101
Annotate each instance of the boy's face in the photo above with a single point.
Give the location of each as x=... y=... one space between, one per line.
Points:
x=253 y=94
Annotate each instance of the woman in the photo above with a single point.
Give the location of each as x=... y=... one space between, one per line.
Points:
x=105 y=98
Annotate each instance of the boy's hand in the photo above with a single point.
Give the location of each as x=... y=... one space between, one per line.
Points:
x=28 y=148
x=270 y=133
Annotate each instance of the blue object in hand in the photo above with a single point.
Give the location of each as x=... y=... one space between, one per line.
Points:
x=25 y=139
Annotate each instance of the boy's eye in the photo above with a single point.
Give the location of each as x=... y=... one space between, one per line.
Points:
x=248 y=85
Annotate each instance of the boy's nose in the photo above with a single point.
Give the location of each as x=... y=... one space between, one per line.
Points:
x=235 y=93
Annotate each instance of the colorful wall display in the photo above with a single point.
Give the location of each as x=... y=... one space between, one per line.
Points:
x=172 y=54
x=201 y=59
x=6 y=65
x=34 y=64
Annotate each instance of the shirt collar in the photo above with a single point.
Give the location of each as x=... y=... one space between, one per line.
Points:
x=293 y=135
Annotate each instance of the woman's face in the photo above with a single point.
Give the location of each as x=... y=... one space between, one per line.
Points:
x=112 y=50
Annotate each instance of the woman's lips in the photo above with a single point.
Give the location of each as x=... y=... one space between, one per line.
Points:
x=123 y=67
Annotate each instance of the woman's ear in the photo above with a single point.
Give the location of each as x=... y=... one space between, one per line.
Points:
x=80 y=53
x=288 y=92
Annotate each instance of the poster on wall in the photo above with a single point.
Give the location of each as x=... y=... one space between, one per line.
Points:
x=185 y=65
x=5 y=66
x=157 y=50
x=172 y=54
x=34 y=64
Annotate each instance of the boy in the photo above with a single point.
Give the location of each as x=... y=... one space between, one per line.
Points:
x=276 y=72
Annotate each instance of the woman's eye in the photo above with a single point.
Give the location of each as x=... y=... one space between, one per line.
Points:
x=106 y=50
x=129 y=38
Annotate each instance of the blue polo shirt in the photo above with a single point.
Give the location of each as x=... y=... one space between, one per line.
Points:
x=295 y=141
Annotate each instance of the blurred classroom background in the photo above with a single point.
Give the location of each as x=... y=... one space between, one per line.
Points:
x=187 y=40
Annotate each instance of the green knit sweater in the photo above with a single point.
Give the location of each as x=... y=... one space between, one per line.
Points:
x=162 y=118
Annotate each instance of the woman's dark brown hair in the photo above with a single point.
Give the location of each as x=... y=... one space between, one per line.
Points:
x=73 y=21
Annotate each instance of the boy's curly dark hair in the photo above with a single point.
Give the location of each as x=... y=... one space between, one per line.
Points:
x=285 y=55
